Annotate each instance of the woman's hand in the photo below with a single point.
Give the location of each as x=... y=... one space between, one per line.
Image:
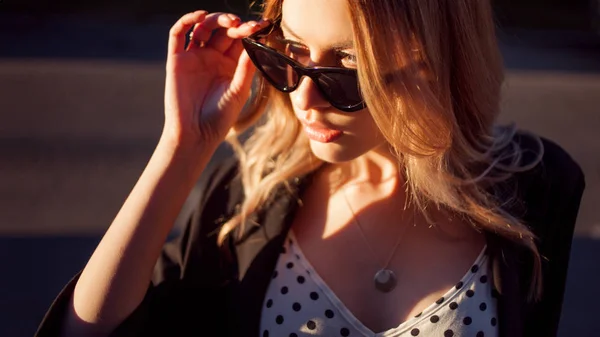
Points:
x=208 y=82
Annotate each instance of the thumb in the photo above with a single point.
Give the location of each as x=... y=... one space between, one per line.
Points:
x=242 y=78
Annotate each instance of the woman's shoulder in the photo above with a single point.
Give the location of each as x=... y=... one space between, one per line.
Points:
x=549 y=194
x=556 y=172
x=215 y=197
x=219 y=190
x=220 y=172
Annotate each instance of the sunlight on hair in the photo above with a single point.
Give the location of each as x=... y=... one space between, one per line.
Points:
x=433 y=87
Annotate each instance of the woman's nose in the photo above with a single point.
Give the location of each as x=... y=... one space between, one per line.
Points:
x=307 y=96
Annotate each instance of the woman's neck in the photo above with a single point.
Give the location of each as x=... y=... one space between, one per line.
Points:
x=375 y=167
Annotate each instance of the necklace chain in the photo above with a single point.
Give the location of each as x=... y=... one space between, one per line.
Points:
x=362 y=233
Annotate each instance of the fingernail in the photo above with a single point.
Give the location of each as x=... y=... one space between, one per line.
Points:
x=252 y=24
x=233 y=17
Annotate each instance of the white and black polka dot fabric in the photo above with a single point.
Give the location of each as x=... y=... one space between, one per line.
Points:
x=299 y=303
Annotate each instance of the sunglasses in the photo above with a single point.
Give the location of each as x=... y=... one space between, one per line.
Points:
x=339 y=86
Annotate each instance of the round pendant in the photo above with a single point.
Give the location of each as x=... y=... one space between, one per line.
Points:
x=385 y=280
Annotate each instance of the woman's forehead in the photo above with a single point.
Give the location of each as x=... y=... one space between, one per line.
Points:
x=318 y=23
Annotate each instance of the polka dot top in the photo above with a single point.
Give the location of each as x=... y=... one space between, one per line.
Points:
x=299 y=303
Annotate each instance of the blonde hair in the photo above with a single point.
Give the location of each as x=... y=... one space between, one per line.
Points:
x=434 y=84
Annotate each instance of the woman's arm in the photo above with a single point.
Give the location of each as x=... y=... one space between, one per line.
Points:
x=117 y=275
x=207 y=83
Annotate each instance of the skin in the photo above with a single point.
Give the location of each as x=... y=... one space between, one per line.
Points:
x=429 y=261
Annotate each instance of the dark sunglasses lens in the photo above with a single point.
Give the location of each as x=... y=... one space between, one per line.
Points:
x=341 y=89
x=278 y=71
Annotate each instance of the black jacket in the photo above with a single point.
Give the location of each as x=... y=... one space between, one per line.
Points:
x=200 y=289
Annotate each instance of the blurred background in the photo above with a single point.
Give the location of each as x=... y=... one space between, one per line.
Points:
x=81 y=87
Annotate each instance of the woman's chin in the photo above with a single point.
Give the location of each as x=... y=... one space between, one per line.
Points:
x=332 y=152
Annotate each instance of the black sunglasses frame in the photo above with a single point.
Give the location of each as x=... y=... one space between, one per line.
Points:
x=250 y=43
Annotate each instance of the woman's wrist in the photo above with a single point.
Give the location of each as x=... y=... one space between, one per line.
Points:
x=193 y=156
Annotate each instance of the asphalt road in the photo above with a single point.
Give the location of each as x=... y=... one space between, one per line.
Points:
x=80 y=112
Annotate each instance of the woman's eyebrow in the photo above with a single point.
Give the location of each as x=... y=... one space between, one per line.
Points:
x=335 y=46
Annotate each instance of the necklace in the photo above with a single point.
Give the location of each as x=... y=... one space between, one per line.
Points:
x=385 y=279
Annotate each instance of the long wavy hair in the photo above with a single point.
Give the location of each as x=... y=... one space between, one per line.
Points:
x=434 y=87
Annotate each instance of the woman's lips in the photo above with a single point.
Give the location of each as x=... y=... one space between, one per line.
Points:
x=317 y=132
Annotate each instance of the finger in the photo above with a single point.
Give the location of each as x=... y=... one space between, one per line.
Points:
x=210 y=30
x=242 y=78
x=219 y=20
x=177 y=33
x=248 y=28
x=198 y=37
x=235 y=50
x=193 y=40
x=219 y=40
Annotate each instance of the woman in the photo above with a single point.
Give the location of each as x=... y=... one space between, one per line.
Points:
x=374 y=197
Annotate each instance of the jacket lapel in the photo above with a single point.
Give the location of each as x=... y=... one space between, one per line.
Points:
x=505 y=271
x=257 y=254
